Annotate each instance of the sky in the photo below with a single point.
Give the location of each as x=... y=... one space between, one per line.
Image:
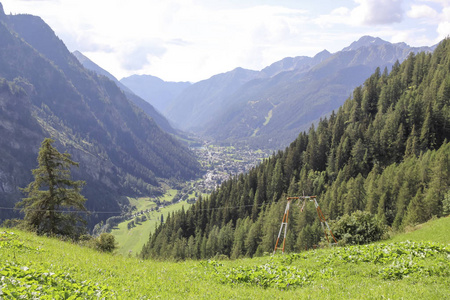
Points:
x=192 y=40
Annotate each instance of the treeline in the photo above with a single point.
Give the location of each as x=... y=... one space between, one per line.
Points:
x=385 y=151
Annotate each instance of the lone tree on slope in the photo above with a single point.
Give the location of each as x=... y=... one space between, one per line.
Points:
x=53 y=198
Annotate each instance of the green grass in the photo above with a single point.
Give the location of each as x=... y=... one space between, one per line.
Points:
x=435 y=230
x=168 y=196
x=269 y=116
x=389 y=270
x=130 y=242
x=141 y=203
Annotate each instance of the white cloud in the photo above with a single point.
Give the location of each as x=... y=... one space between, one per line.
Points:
x=339 y=15
x=195 y=39
x=422 y=12
x=378 y=12
x=443 y=27
x=443 y=30
x=366 y=12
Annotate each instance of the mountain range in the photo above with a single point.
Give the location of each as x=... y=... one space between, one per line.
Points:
x=268 y=108
x=46 y=92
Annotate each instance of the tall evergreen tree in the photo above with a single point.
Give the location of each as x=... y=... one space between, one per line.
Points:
x=53 y=198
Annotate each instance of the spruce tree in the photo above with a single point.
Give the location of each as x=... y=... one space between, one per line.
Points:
x=53 y=198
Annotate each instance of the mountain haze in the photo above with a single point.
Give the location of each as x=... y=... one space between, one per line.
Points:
x=154 y=90
x=198 y=104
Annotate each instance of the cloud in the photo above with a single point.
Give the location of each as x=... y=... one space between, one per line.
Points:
x=195 y=39
x=422 y=12
x=136 y=57
x=340 y=15
x=378 y=12
x=366 y=12
x=85 y=43
x=179 y=42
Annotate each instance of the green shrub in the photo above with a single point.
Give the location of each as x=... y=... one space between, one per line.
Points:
x=105 y=242
x=358 y=228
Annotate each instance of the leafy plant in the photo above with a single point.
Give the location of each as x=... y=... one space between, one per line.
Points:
x=21 y=282
x=358 y=228
x=271 y=274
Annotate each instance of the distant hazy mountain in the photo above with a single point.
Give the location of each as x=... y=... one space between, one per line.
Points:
x=46 y=92
x=270 y=107
x=200 y=103
x=154 y=90
x=299 y=63
x=141 y=103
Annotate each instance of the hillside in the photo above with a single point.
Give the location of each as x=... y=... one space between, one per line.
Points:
x=386 y=151
x=46 y=92
x=403 y=269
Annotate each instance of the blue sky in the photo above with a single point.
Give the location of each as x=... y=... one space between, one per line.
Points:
x=191 y=40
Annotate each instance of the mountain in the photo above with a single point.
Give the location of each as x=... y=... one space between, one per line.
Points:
x=46 y=92
x=365 y=41
x=384 y=154
x=201 y=102
x=299 y=63
x=154 y=90
x=270 y=107
x=283 y=105
x=138 y=101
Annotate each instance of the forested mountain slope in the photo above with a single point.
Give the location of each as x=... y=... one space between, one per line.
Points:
x=45 y=92
x=385 y=151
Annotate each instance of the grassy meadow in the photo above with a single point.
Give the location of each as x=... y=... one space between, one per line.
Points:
x=408 y=266
x=130 y=241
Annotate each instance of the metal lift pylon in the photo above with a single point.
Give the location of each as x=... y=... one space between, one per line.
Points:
x=284 y=222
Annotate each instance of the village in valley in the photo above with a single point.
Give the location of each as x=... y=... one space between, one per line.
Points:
x=222 y=162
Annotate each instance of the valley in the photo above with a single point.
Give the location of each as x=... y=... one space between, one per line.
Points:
x=222 y=162
x=145 y=213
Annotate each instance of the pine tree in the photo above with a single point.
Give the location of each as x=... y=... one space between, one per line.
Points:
x=53 y=197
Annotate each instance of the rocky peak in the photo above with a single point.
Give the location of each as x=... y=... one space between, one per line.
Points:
x=2 y=12
x=365 y=41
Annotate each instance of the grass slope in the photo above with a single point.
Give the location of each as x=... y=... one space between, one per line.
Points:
x=435 y=230
x=131 y=241
x=360 y=272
